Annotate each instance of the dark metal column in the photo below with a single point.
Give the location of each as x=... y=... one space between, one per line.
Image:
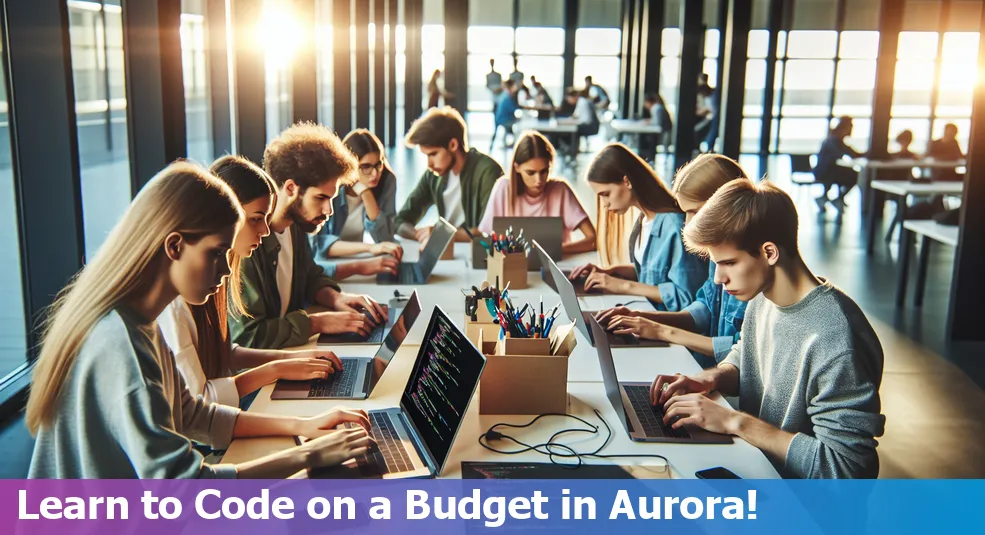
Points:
x=570 y=28
x=154 y=86
x=218 y=65
x=687 y=96
x=41 y=99
x=733 y=88
x=722 y=22
x=650 y=43
x=890 y=24
x=456 y=52
x=361 y=23
x=391 y=75
x=341 y=67
x=627 y=66
x=379 y=70
x=775 y=15
x=304 y=71
x=249 y=88
x=413 y=19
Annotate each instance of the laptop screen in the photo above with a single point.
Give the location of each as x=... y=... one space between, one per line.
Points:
x=444 y=379
x=442 y=234
x=569 y=298
x=396 y=336
x=546 y=230
x=609 y=377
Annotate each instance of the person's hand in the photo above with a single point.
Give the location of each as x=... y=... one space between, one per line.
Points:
x=337 y=447
x=423 y=234
x=583 y=271
x=377 y=264
x=604 y=316
x=665 y=387
x=322 y=354
x=344 y=321
x=699 y=410
x=302 y=369
x=326 y=422
x=638 y=327
x=355 y=302
x=387 y=248
x=605 y=282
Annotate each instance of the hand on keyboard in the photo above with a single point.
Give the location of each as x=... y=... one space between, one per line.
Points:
x=300 y=369
x=349 y=321
x=337 y=447
x=327 y=422
x=322 y=354
x=355 y=303
x=700 y=411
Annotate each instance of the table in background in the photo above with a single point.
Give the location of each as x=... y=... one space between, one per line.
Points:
x=869 y=169
x=551 y=126
x=900 y=190
x=928 y=231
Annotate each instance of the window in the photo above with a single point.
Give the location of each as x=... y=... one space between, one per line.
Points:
x=198 y=102
x=96 y=35
x=278 y=36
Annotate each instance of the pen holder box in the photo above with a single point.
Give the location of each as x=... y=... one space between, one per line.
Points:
x=449 y=253
x=508 y=268
x=525 y=375
x=483 y=322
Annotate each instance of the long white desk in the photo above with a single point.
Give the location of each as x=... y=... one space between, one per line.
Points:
x=585 y=388
x=899 y=190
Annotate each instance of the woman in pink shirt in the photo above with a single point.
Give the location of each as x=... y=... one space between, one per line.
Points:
x=529 y=192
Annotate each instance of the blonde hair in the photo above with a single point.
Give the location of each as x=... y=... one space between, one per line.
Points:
x=184 y=198
x=703 y=176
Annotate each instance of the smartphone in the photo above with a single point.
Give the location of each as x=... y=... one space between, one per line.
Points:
x=716 y=473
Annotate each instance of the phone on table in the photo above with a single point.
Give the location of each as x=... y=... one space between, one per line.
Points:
x=716 y=473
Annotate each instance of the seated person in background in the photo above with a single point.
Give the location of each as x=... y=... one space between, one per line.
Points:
x=106 y=398
x=946 y=149
x=367 y=205
x=543 y=102
x=506 y=108
x=308 y=162
x=198 y=335
x=458 y=179
x=828 y=172
x=662 y=271
x=709 y=326
x=596 y=94
x=583 y=116
x=904 y=140
x=528 y=191
x=655 y=111
x=808 y=365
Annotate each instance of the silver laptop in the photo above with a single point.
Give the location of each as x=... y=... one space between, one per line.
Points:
x=569 y=300
x=414 y=439
x=631 y=401
x=419 y=272
x=359 y=375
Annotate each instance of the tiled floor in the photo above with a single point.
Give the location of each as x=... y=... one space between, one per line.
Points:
x=935 y=424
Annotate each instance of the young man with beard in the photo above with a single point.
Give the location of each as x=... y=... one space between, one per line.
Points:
x=308 y=162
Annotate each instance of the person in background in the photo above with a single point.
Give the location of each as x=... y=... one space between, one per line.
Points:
x=458 y=179
x=709 y=326
x=808 y=365
x=662 y=271
x=829 y=173
x=543 y=102
x=494 y=83
x=596 y=94
x=529 y=191
x=946 y=149
x=904 y=140
x=655 y=111
x=705 y=127
x=585 y=119
x=516 y=76
x=366 y=206
x=436 y=92
x=505 y=116
x=106 y=398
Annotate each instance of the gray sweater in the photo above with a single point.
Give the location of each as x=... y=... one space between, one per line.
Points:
x=125 y=412
x=814 y=369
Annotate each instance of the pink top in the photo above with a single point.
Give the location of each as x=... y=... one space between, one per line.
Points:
x=558 y=200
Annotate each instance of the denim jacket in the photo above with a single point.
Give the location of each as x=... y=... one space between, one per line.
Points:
x=718 y=315
x=380 y=230
x=666 y=264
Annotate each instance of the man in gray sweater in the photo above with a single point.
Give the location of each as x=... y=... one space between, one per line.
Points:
x=808 y=365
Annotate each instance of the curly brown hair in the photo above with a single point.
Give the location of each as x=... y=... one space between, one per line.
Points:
x=309 y=154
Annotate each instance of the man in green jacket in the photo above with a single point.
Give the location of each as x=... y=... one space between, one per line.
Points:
x=308 y=162
x=458 y=180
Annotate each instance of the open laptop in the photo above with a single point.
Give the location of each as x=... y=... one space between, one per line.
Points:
x=631 y=401
x=377 y=333
x=578 y=284
x=419 y=272
x=414 y=439
x=569 y=300
x=359 y=375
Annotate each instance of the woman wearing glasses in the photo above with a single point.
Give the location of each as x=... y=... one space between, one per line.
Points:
x=368 y=206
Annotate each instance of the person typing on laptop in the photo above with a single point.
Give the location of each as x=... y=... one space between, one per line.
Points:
x=458 y=179
x=308 y=162
x=808 y=365
x=529 y=191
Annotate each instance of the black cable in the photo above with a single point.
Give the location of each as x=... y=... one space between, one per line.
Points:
x=633 y=302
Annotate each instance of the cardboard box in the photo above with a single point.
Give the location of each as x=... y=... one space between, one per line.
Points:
x=509 y=268
x=483 y=322
x=449 y=253
x=532 y=381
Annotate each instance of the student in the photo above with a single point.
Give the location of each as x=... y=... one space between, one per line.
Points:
x=436 y=92
x=198 y=335
x=946 y=149
x=458 y=180
x=709 y=326
x=596 y=94
x=828 y=172
x=904 y=140
x=655 y=111
x=106 y=398
x=494 y=83
x=308 y=162
x=543 y=102
x=529 y=191
x=516 y=76
x=808 y=366
x=662 y=271
x=505 y=117
x=585 y=119
x=366 y=206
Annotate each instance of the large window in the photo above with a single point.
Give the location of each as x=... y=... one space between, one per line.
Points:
x=198 y=109
x=96 y=33
x=279 y=39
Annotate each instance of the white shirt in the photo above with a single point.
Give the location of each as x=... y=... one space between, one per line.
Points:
x=584 y=111
x=453 y=200
x=644 y=239
x=285 y=268
x=353 y=228
x=181 y=335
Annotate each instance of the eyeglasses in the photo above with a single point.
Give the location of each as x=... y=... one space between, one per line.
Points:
x=367 y=169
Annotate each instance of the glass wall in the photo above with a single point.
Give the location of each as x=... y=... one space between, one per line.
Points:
x=195 y=73
x=278 y=37
x=598 y=46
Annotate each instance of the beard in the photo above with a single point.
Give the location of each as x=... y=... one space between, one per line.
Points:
x=308 y=226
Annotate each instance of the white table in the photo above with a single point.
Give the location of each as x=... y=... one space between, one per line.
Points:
x=868 y=170
x=900 y=190
x=928 y=231
x=552 y=126
x=634 y=126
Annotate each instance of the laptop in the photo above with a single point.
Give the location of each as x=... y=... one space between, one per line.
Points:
x=631 y=401
x=419 y=272
x=414 y=439
x=546 y=230
x=569 y=300
x=359 y=375
x=578 y=284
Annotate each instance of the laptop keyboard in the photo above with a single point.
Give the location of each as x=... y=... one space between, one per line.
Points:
x=650 y=417
x=406 y=275
x=338 y=384
x=390 y=456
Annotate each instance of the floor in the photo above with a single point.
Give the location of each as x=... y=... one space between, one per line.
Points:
x=932 y=391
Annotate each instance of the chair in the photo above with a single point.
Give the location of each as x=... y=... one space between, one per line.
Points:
x=801 y=165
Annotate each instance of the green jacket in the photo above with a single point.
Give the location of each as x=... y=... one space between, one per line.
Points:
x=264 y=328
x=478 y=177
